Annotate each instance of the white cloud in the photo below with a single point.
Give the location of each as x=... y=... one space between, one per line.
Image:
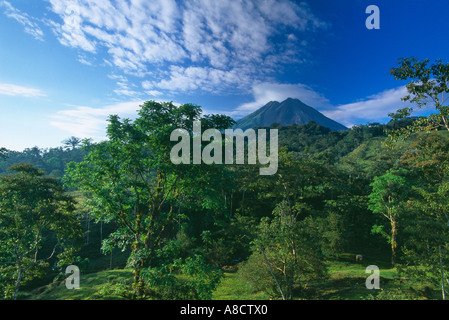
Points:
x=82 y=59
x=31 y=27
x=89 y=122
x=223 y=43
x=373 y=108
x=147 y=85
x=15 y=90
x=201 y=78
x=133 y=33
x=235 y=33
x=154 y=93
x=124 y=87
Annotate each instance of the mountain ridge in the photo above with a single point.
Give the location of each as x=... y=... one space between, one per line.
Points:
x=289 y=111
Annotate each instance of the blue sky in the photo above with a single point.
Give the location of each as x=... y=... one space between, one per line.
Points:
x=65 y=65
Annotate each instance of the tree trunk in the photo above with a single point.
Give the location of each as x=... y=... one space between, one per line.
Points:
x=443 y=291
x=138 y=283
x=272 y=274
x=394 y=244
x=293 y=271
x=17 y=284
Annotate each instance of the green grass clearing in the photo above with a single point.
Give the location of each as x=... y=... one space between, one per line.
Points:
x=346 y=281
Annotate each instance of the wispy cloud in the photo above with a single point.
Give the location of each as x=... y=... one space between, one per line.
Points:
x=190 y=45
x=89 y=122
x=372 y=109
x=31 y=27
x=16 y=90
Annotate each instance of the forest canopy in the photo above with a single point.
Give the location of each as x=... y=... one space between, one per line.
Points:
x=377 y=190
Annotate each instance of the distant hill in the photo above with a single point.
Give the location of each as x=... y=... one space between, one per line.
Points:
x=289 y=111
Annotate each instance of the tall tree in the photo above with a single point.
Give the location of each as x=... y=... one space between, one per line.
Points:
x=32 y=207
x=389 y=194
x=427 y=228
x=72 y=142
x=287 y=249
x=131 y=180
x=428 y=87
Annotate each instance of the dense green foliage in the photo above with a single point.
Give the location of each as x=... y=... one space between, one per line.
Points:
x=131 y=181
x=327 y=178
x=52 y=161
x=379 y=190
x=35 y=215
